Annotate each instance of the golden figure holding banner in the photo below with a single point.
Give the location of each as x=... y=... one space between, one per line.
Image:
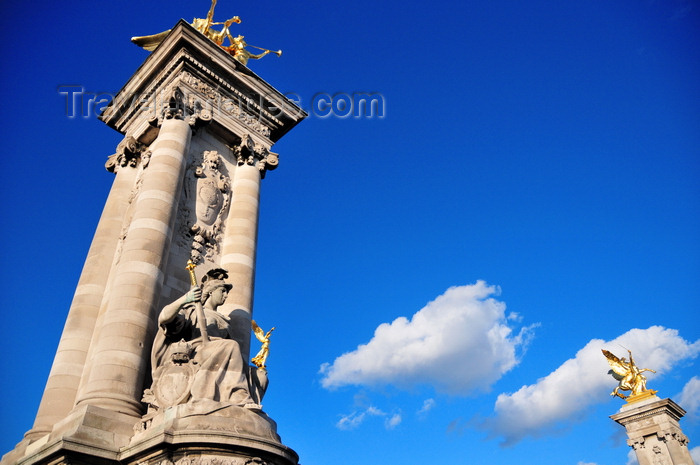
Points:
x=204 y=25
x=260 y=359
x=629 y=375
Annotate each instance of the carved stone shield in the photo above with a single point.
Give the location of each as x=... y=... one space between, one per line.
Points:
x=174 y=383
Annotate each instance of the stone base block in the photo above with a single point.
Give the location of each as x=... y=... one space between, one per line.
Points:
x=182 y=435
x=194 y=435
x=90 y=435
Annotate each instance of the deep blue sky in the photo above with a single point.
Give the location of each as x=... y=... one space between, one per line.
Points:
x=550 y=149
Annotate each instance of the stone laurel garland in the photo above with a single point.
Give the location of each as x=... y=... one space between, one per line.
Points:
x=209 y=461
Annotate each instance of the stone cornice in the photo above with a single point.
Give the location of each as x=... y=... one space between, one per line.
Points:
x=665 y=406
x=238 y=100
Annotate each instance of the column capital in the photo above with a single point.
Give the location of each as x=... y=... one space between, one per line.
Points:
x=248 y=152
x=672 y=434
x=175 y=104
x=130 y=152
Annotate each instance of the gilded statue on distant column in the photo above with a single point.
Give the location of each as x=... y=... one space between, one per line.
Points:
x=260 y=359
x=629 y=375
x=237 y=45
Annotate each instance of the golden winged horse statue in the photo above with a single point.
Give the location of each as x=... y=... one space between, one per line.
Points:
x=236 y=46
x=628 y=374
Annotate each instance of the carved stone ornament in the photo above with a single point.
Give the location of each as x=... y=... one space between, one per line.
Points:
x=659 y=458
x=208 y=460
x=175 y=379
x=256 y=461
x=174 y=107
x=250 y=153
x=234 y=106
x=129 y=152
x=667 y=436
x=205 y=200
x=175 y=103
x=637 y=443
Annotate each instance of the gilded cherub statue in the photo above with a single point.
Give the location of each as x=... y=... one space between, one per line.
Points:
x=237 y=45
x=260 y=359
x=237 y=49
x=628 y=374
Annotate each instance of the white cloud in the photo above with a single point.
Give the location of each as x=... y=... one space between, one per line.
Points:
x=690 y=397
x=356 y=418
x=393 y=421
x=695 y=454
x=464 y=324
x=564 y=395
x=428 y=405
x=632 y=458
x=586 y=463
x=352 y=421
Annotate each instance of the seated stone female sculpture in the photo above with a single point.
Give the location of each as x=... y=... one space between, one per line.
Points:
x=188 y=368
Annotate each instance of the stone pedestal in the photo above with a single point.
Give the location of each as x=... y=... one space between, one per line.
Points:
x=198 y=128
x=654 y=432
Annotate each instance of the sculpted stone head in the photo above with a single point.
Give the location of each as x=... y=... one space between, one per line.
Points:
x=212 y=282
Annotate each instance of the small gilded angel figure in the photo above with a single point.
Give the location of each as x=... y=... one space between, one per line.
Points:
x=627 y=373
x=259 y=360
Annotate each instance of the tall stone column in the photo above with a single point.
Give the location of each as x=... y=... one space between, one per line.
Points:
x=62 y=385
x=118 y=363
x=654 y=431
x=92 y=407
x=241 y=231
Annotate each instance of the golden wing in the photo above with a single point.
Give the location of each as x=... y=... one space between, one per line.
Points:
x=150 y=42
x=259 y=333
x=618 y=367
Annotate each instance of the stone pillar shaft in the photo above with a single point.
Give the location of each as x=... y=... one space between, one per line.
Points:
x=61 y=388
x=239 y=244
x=118 y=362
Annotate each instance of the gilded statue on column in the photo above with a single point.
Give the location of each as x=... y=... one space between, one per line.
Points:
x=236 y=47
x=260 y=359
x=629 y=375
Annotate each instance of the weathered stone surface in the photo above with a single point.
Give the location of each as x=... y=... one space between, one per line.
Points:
x=198 y=129
x=654 y=432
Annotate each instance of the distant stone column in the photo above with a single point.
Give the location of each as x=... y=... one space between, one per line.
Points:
x=240 y=234
x=654 y=431
x=119 y=358
x=61 y=388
